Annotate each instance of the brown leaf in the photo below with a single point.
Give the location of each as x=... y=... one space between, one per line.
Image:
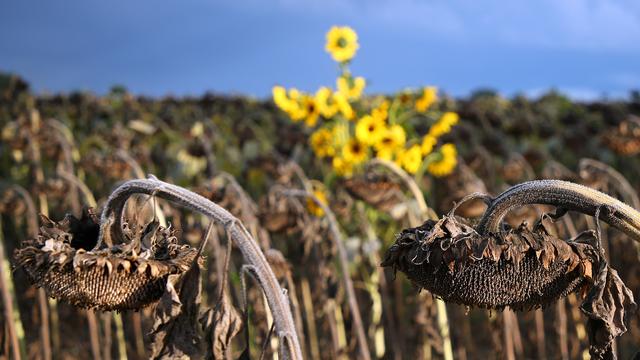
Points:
x=607 y=304
x=175 y=331
x=220 y=326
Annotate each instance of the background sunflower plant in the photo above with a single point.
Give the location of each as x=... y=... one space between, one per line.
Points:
x=348 y=129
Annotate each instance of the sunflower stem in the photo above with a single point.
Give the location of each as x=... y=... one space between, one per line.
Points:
x=565 y=195
x=278 y=301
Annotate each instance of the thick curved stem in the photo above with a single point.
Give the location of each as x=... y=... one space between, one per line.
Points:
x=566 y=196
x=278 y=301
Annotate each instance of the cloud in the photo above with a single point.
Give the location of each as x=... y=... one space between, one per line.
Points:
x=564 y=24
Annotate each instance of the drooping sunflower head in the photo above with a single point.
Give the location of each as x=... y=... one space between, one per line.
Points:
x=342 y=43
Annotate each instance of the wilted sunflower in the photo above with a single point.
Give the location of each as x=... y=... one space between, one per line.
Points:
x=342 y=43
x=65 y=260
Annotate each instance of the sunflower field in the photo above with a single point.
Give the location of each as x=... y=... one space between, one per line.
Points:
x=334 y=224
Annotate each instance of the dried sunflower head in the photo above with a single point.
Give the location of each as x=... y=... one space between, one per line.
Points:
x=379 y=190
x=63 y=259
x=522 y=269
x=625 y=139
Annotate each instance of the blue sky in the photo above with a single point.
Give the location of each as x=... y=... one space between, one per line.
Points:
x=585 y=48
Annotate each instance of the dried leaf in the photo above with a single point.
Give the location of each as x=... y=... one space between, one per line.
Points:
x=220 y=326
x=175 y=331
x=607 y=304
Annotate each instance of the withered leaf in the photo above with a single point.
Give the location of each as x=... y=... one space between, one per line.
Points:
x=607 y=304
x=220 y=326
x=175 y=332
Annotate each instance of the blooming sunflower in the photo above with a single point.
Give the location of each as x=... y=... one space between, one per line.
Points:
x=410 y=159
x=342 y=43
x=384 y=154
x=351 y=87
x=322 y=143
x=392 y=138
x=382 y=111
x=281 y=99
x=311 y=111
x=291 y=103
x=326 y=102
x=444 y=125
x=342 y=167
x=312 y=206
x=429 y=96
x=354 y=152
x=369 y=129
x=343 y=105
x=428 y=142
x=447 y=162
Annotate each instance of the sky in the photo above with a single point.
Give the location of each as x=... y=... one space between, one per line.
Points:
x=584 y=48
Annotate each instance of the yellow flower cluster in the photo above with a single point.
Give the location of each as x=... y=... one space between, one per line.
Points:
x=353 y=131
x=300 y=106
